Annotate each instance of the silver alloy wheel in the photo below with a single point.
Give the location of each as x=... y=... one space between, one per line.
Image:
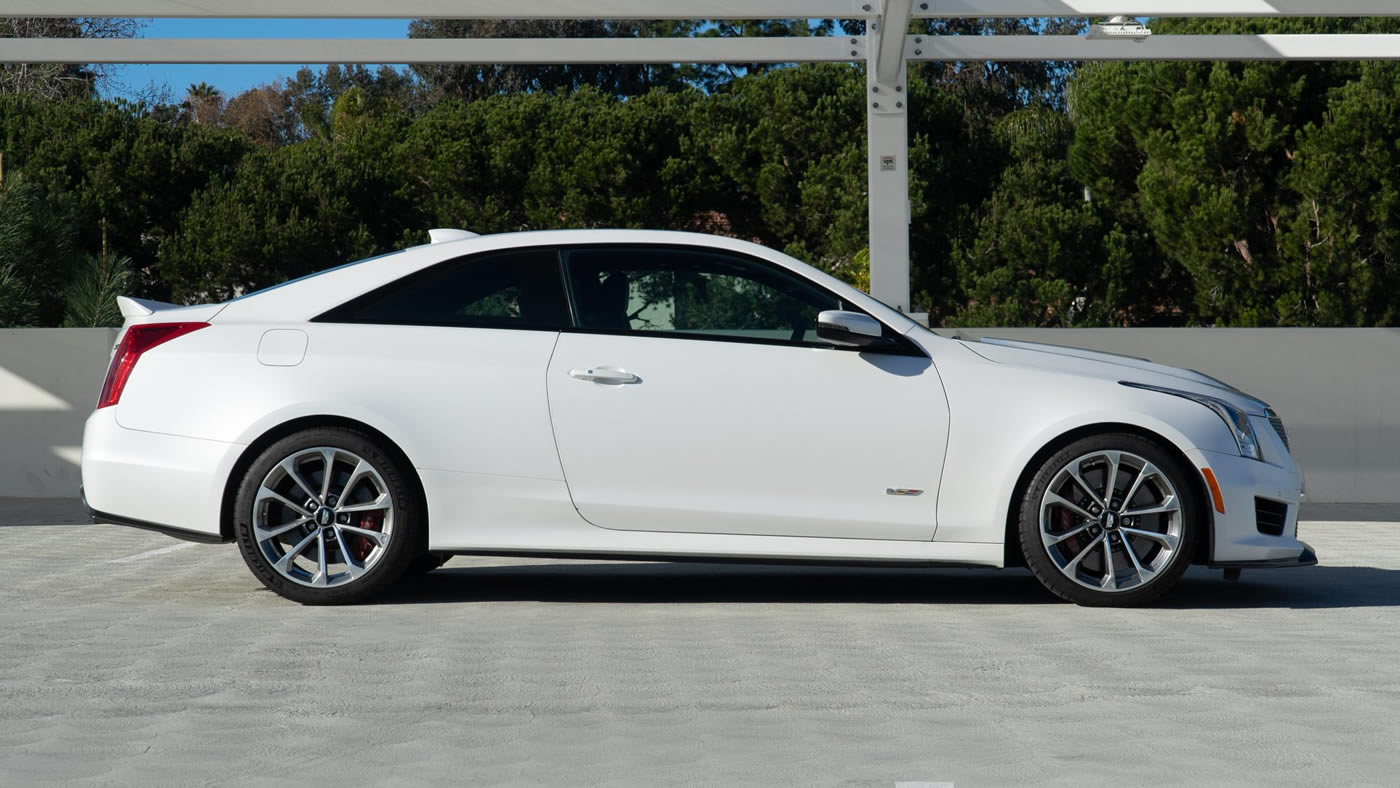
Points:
x=1111 y=521
x=330 y=499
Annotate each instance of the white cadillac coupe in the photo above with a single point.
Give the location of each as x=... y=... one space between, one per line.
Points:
x=659 y=395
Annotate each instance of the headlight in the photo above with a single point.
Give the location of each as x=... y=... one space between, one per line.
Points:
x=1237 y=420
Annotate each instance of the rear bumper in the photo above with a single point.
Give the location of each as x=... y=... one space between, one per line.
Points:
x=164 y=483
x=168 y=530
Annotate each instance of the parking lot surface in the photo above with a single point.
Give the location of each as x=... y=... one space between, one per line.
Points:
x=129 y=658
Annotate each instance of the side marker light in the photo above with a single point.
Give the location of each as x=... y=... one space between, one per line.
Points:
x=1214 y=486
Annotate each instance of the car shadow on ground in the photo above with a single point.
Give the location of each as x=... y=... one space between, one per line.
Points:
x=31 y=512
x=661 y=583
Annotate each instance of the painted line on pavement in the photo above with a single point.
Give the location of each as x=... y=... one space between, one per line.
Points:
x=151 y=553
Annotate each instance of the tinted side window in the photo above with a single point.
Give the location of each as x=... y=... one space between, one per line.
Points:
x=509 y=289
x=693 y=291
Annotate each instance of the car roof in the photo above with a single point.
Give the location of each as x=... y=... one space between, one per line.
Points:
x=302 y=299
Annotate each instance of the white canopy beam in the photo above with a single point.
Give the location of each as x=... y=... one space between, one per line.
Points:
x=1353 y=46
x=425 y=50
x=441 y=9
x=1109 y=8
x=890 y=30
x=692 y=9
x=1349 y=46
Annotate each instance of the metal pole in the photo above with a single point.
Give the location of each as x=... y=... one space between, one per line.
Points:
x=887 y=129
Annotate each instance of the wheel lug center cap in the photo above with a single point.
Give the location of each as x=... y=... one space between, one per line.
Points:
x=325 y=516
x=1109 y=521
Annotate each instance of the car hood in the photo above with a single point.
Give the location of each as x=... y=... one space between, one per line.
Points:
x=1109 y=366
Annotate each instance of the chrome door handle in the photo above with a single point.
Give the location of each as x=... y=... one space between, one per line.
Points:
x=604 y=375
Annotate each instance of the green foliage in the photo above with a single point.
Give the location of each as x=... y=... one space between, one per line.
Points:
x=17 y=302
x=988 y=90
x=35 y=253
x=1033 y=260
x=955 y=160
x=779 y=158
x=1045 y=253
x=203 y=104
x=855 y=273
x=1340 y=240
x=92 y=294
x=289 y=211
x=776 y=157
x=122 y=165
x=1249 y=193
x=1223 y=172
x=544 y=161
x=475 y=81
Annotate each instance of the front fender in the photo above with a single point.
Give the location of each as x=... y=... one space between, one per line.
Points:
x=1006 y=416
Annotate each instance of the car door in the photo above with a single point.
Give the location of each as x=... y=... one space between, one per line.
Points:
x=693 y=396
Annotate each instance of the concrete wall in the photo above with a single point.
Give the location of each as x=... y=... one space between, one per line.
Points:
x=1338 y=390
x=49 y=382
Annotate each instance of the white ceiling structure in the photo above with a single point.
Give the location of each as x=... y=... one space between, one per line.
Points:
x=886 y=57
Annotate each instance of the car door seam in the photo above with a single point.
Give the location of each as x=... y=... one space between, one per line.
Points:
x=553 y=432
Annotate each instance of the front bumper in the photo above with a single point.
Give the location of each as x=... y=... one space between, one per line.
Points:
x=1305 y=558
x=1238 y=541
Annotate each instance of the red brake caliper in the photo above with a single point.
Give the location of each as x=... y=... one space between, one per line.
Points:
x=1066 y=522
x=361 y=545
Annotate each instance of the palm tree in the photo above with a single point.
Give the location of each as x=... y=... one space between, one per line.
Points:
x=203 y=104
x=203 y=90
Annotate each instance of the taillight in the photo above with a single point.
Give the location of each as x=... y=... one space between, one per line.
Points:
x=137 y=340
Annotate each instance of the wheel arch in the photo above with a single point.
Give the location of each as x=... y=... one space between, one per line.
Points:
x=292 y=426
x=1012 y=544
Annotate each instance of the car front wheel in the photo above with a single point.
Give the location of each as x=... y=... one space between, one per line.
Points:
x=326 y=516
x=1110 y=520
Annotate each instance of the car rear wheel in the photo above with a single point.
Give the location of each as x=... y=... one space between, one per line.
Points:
x=326 y=516
x=1110 y=520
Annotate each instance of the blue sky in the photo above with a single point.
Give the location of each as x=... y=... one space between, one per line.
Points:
x=236 y=79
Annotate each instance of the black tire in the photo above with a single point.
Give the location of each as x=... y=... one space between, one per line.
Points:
x=426 y=563
x=407 y=541
x=1174 y=562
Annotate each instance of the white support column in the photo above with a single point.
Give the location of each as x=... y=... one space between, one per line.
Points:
x=887 y=129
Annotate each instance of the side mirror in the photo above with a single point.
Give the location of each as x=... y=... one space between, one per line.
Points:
x=850 y=329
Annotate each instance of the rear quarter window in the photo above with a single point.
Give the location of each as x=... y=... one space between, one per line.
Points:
x=518 y=288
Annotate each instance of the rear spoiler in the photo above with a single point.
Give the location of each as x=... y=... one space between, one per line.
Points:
x=140 y=307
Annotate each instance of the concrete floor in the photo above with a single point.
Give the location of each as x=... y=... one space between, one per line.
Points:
x=129 y=658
